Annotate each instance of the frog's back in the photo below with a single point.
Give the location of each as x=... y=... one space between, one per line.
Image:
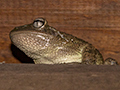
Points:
x=87 y=53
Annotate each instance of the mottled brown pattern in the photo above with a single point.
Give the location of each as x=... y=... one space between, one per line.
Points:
x=92 y=56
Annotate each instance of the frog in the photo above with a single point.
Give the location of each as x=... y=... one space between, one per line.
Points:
x=47 y=45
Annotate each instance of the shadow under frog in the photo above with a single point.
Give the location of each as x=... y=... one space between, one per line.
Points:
x=46 y=45
x=18 y=54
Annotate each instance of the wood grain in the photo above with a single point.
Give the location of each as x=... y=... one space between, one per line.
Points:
x=96 y=21
x=59 y=77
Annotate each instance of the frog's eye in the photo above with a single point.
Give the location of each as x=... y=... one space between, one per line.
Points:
x=38 y=23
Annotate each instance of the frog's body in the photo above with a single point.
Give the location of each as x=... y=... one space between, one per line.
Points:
x=46 y=45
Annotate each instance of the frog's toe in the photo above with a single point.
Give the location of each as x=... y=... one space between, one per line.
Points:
x=110 y=61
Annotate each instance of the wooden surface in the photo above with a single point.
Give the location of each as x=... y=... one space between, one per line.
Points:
x=59 y=77
x=96 y=21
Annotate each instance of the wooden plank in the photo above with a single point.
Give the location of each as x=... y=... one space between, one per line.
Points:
x=94 y=21
x=59 y=77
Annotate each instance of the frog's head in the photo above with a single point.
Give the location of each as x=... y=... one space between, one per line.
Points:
x=33 y=37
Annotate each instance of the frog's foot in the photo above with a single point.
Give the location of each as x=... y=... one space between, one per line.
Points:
x=110 y=61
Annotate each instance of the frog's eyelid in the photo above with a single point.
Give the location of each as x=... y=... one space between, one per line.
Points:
x=40 y=19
